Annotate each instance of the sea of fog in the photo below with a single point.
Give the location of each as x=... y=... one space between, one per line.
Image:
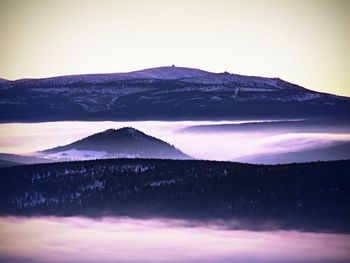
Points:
x=126 y=240
x=76 y=239
x=212 y=140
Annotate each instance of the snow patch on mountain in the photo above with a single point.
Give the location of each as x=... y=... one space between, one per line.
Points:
x=300 y=97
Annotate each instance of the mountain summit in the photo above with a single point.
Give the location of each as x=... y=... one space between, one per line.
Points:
x=168 y=73
x=125 y=142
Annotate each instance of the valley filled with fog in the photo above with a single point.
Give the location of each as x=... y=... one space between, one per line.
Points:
x=256 y=141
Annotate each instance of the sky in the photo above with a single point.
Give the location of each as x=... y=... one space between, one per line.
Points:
x=306 y=42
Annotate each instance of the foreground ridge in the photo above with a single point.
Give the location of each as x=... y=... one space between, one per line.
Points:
x=311 y=196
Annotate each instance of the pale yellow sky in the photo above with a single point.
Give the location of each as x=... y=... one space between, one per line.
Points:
x=302 y=41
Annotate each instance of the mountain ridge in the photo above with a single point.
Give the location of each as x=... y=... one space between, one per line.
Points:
x=163 y=93
x=184 y=74
x=163 y=72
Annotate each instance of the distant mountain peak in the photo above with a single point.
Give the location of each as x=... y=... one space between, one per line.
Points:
x=123 y=142
x=126 y=132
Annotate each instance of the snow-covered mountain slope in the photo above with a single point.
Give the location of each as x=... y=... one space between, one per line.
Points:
x=171 y=72
x=122 y=143
x=168 y=73
x=163 y=93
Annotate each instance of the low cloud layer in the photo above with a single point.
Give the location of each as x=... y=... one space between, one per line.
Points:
x=217 y=145
x=75 y=239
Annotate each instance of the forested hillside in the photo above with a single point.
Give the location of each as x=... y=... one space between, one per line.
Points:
x=310 y=196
